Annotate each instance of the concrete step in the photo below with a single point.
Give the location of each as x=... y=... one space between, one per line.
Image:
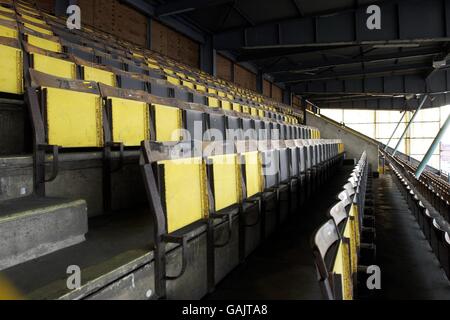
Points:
x=32 y=227
x=16 y=177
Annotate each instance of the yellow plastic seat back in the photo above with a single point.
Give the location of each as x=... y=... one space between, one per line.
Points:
x=183 y=191
x=167 y=123
x=11 y=66
x=342 y=268
x=74 y=119
x=8 y=32
x=38 y=29
x=44 y=43
x=226 y=181
x=130 y=121
x=213 y=102
x=56 y=67
x=99 y=75
x=253 y=173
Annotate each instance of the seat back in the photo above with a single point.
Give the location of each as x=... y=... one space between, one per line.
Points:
x=183 y=205
x=167 y=121
x=74 y=119
x=130 y=121
x=54 y=66
x=99 y=75
x=11 y=64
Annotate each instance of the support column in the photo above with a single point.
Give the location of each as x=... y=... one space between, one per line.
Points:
x=424 y=99
x=259 y=82
x=208 y=57
x=433 y=147
x=395 y=130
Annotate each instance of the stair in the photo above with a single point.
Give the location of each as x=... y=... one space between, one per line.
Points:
x=32 y=226
x=16 y=177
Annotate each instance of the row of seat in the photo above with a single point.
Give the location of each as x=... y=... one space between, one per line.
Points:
x=227 y=179
x=433 y=189
x=337 y=244
x=433 y=225
x=49 y=49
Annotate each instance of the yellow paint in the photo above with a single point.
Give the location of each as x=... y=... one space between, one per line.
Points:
x=221 y=94
x=212 y=91
x=6 y=18
x=74 y=119
x=3 y=9
x=130 y=121
x=99 y=75
x=38 y=29
x=44 y=43
x=188 y=84
x=174 y=81
x=53 y=66
x=200 y=88
x=342 y=267
x=237 y=107
x=226 y=105
x=185 y=202
x=167 y=123
x=32 y=19
x=8 y=32
x=7 y=291
x=213 y=102
x=226 y=173
x=253 y=173
x=11 y=64
x=253 y=111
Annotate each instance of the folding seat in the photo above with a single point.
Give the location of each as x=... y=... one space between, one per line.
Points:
x=49 y=43
x=58 y=65
x=436 y=237
x=216 y=125
x=233 y=128
x=73 y=118
x=29 y=18
x=245 y=109
x=80 y=52
x=226 y=105
x=129 y=119
x=11 y=64
x=111 y=62
x=213 y=102
x=333 y=262
x=132 y=83
x=179 y=211
x=167 y=121
x=40 y=29
x=194 y=121
x=92 y=73
x=236 y=107
x=8 y=29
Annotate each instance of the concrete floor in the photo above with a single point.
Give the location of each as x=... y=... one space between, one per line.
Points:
x=283 y=266
x=409 y=268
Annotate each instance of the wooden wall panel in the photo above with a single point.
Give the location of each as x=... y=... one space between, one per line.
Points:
x=244 y=78
x=267 y=88
x=47 y=5
x=277 y=93
x=115 y=18
x=175 y=45
x=224 y=68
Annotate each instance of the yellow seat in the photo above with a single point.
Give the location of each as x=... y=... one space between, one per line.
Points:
x=245 y=109
x=184 y=203
x=253 y=111
x=237 y=107
x=33 y=19
x=342 y=268
x=188 y=84
x=44 y=43
x=11 y=64
x=4 y=17
x=226 y=180
x=99 y=75
x=167 y=122
x=200 y=88
x=212 y=91
x=8 y=10
x=8 y=32
x=38 y=29
x=253 y=173
x=130 y=121
x=226 y=105
x=174 y=81
x=74 y=119
x=56 y=67
x=213 y=102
